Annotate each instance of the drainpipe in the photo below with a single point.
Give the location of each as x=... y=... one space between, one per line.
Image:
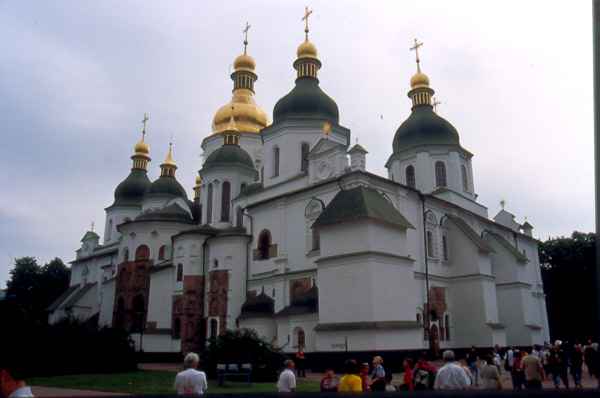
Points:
x=249 y=249
x=427 y=312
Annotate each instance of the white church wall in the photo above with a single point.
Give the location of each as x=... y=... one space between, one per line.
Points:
x=287 y=329
x=469 y=325
x=512 y=316
x=368 y=340
x=107 y=303
x=160 y=302
x=115 y=216
x=87 y=305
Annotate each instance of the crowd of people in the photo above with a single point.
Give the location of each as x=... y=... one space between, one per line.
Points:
x=528 y=369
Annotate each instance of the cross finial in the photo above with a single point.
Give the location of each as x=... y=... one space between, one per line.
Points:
x=144 y=121
x=246 y=29
x=415 y=48
x=502 y=203
x=435 y=103
x=307 y=13
x=92 y=226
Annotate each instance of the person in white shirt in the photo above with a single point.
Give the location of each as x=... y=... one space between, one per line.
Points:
x=12 y=372
x=451 y=376
x=191 y=381
x=287 y=378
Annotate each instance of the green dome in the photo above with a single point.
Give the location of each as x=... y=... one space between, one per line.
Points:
x=306 y=100
x=424 y=127
x=229 y=155
x=168 y=186
x=131 y=190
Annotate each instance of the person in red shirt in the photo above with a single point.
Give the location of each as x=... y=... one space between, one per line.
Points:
x=300 y=365
x=407 y=364
x=423 y=374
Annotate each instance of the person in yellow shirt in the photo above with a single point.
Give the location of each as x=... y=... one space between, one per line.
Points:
x=350 y=381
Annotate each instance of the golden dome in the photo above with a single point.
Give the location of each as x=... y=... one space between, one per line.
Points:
x=244 y=62
x=141 y=148
x=169 y=161
x=247 y=116
x=307 y=50
x=419 y=79
x=198 y=180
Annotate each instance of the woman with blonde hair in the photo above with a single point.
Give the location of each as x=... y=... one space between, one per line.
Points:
x=378 y=375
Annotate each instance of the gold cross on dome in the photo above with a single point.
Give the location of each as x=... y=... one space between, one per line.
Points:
x=415 y=48
x=144 y=121
x=307 y=13
x=246 y=29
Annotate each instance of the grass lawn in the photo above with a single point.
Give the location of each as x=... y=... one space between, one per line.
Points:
x=152 y=382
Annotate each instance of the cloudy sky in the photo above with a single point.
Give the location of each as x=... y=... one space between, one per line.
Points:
x=514 y=77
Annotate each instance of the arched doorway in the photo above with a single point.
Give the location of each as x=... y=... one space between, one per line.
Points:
x=434 y=336
x=139 y=313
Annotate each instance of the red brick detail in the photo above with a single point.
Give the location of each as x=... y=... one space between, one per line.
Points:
x=217 y=296
x=189 y=308
x=298 y=288
x=132 y=285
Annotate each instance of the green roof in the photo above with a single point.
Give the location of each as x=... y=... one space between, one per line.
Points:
x=90 y=235
x=131 y=190
x=470 y=233
x=173 y=212
x=167 y=185
x=360 y=203
x=306 y=101
x=229 y=155
x=520 y=257
x=424 y=127
x=357 y=148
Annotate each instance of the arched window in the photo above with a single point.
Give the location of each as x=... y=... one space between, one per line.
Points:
x=142 y=253
x=445 y=247
x=465 y=178
x=214 y=328
x=440 y=174
x=209 y=203
x=120 y=314
x=177 y=328
x=447 y=324
x=225 y=201
x=126 y=254
x=304 y=148
x=179 y=272
x=264 y=244
x=139 y=313
x=239 y=215
x=109 y=230
x=316 y=239
x=162 y=252
x=410 y=176
x=430 y=251
x=276 y=161
x=242 y=187
x=300 y=337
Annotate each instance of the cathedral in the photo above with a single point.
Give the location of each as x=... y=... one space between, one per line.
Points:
x=287 y=233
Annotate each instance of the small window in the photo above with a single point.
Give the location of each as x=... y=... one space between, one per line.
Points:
x=273 y=292
x=142 y=253
x=162 y=252
x=430 y=252
x=215 y=263
x=440 y=174
x=300 y=338
x=242 y=187
x=225 y=201
x=239 y=215
x=304 y=149
x=465 y=178
x=276 y=162
x=214 y=328
x=419 y=319
x=410 y=176
x=109 y=229
x=177 y=328
x=126 y=254
x=316 y=239
x=264 y=244
x=447 y=324
x=209 y=203
x=445 y=247
x=179 y=272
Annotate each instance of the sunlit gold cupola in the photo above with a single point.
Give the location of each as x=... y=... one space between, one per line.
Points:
x=249 y=117
x=307 y=63
x=141 y=150
x=420 y=92
x=168 y=167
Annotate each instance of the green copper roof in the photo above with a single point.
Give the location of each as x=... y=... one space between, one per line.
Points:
x=229 y=155
x=424 y=127
x=172 y=212
x=306 y=101
x=520 y=257
x=360 y=203
x=131 y=190
x=481 y=244
x=167 y=185
x=90 y=235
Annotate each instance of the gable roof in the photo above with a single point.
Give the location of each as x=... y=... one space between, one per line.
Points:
x=358 y=148
x=520 y=257
x=79 y=294
x=481 y=244
x=90 y=235
x=360 y=203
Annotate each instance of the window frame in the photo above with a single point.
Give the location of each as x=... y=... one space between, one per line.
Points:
x=411 y=180
x=441 y=178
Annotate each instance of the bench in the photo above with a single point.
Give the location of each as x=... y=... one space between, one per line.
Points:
x=233 y=370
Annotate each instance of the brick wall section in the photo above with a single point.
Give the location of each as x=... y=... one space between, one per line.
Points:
x=217 y=296
x=190 y=308
x=133 y=279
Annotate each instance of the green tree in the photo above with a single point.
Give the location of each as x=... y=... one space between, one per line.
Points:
x=34 y=287
x=568 y=272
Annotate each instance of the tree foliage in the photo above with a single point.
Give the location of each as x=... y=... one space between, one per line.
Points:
x=568 y=273
x=34 y=287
